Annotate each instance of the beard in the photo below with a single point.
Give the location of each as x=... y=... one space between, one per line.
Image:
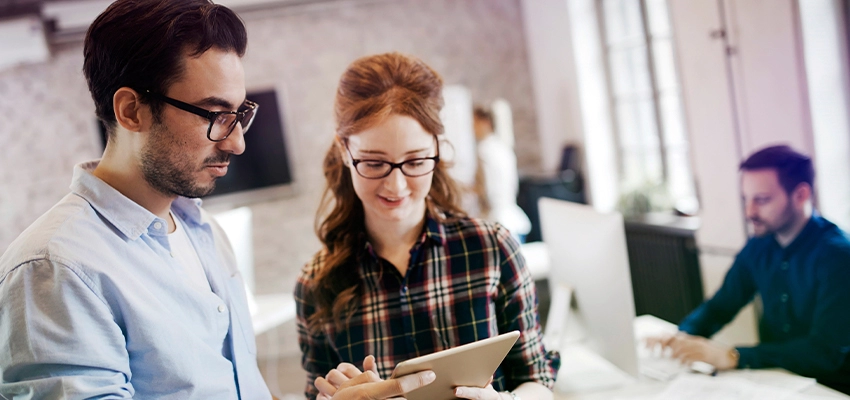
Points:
x=168 y=169
x=783 y=223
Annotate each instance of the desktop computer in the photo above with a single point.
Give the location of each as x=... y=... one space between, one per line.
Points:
x=589 y=272
x=591 y=318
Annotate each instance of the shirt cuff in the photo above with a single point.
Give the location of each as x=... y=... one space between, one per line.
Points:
x=749 y=358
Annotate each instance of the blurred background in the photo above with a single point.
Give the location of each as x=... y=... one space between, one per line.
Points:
x=641 y=106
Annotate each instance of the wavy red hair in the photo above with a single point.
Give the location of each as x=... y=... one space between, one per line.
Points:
x=370 y=90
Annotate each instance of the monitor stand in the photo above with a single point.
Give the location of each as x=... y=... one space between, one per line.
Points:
x=582 y=369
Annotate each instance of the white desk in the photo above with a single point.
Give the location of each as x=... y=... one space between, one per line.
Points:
x=645 y=389
x=271 y=310
x=779 y=382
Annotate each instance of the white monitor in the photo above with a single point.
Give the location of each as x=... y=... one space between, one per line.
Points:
x=588 y=255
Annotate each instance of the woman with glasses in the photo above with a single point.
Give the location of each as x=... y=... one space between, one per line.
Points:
x=403 y=272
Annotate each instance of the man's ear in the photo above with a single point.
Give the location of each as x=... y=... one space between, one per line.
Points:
x=129 y=110
x=802 y=192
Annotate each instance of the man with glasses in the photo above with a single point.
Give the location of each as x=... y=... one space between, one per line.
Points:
x=127 y=288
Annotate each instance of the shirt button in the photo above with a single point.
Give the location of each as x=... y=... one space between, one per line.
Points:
x=786 y=328
x=784 y=265
x=404 y=289
x=157 y=225
x=784 y=297
x=221 y=308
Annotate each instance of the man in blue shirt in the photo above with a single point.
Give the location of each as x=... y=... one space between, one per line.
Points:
x=127 y=288
x=798 y=263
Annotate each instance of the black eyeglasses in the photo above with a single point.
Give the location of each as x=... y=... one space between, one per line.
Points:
x=222 y=123
x=377 y=169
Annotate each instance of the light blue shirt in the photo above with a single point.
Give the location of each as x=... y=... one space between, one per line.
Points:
x=92 y=304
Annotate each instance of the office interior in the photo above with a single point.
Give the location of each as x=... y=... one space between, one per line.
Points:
x=657 y=102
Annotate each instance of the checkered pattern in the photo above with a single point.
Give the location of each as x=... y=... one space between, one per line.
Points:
x=466 y=281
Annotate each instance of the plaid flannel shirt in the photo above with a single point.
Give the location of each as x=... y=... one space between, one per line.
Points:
x=466 y=281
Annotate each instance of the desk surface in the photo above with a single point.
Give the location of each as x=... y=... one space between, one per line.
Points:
x=646 y=389
x=587 y=366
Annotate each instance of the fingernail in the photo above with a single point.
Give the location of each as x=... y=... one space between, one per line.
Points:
x=458 y=392
x=430 y=376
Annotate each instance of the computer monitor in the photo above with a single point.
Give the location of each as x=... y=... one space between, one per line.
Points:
x=588 y=254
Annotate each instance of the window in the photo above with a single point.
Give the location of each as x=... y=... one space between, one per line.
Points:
x=646 y=99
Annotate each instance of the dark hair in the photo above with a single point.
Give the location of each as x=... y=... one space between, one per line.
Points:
x=370 y=90
x=140 y=44
x=791 y=167
x=479 y=112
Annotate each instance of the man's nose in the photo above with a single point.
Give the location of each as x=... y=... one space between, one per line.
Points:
x=750 y=210
x=235 y=142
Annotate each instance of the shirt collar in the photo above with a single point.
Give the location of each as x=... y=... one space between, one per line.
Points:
x=130 y=218
x=434 y=231
x=814 y=225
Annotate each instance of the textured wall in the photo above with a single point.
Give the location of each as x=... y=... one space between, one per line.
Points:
x=47 y=122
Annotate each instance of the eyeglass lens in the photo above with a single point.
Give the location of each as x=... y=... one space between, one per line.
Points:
x=380 y=169
x=224 y=124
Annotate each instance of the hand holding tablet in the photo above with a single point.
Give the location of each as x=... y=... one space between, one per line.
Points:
x=469 y=365
x=368 y=385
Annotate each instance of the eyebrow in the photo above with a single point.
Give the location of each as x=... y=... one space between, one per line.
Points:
x=218 y=101
x=381 y=153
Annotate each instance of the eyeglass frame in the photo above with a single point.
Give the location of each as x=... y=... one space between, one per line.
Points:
x=355 y=161
x=211 y=115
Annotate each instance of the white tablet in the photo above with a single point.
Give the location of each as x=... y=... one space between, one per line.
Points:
x=472 y=364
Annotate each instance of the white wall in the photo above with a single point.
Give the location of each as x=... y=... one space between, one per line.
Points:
x=825 y=50
x=568 y=76
x=547 y=30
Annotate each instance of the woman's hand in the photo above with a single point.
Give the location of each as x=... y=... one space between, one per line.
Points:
x=347 y=382
x=485 y=393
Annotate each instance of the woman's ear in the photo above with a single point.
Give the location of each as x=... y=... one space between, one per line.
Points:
x=128 y=109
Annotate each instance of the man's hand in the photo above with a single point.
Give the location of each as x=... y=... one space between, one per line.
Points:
x=688 y=348
x=348 y=382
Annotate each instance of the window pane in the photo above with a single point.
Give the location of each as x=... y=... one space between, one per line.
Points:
x=664 y=65
x=648 y=127
x=649 y=143
x=659 y=21
x=628 y=129
x=672 y=120
x=680 y=178
x=630 y=72
x=633 y=174
x=622 y=21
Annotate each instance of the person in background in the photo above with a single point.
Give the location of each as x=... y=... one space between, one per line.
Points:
x=798 y=263
x=403 y=272
x=127 y=288
x=497 y=181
